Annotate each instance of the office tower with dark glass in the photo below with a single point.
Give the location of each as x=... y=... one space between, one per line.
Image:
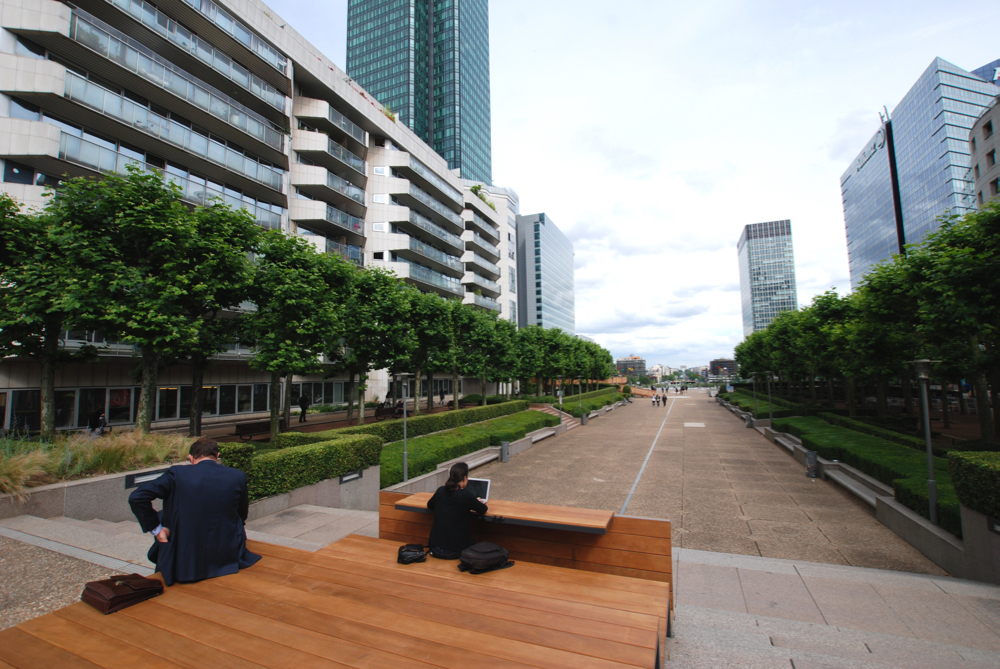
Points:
x=767 y=273
x=429 y=61
x=916 y=166
x=544 y=275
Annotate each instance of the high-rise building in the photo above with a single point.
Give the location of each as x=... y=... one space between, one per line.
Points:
x=767 y=273
x=429 y=61
x=631 y=365
x=915 y=168
x=545 y=293
x=984 y=140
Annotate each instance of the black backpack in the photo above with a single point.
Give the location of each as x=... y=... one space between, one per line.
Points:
x=411 y=553
x=483 y=557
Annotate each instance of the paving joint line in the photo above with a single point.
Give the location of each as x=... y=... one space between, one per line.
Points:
x=646 y=461
x=79 y=553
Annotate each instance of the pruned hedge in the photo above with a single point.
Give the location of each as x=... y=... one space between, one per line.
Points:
x=237 y=455
x=424 y=454
x=764 y=410
x=572 y=407
x=891 y=463
x=976 y=476
x=290 y=468
x=882 y=433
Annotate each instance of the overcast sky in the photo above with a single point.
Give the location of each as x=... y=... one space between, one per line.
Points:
x=652 y=132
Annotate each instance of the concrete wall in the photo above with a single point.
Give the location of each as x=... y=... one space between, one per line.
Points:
x=981 y=537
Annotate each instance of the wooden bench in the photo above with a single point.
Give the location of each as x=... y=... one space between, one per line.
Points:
x=381 y=413
x=247 y=431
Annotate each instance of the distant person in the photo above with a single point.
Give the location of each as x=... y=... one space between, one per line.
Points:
x=200 y=532
x=441 y=395
x=451 y=504
x=304 y=404
x=98 y=422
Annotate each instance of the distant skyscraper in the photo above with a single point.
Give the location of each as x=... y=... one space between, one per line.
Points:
x=544 y=275
x=916 y=167
x=433 y=69
x=767 y=273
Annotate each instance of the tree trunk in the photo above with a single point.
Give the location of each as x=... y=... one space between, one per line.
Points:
x=962 y=409
x=197 y=398
x=48 y=380
x=994 y=396
x=986 y=432
x=945 y=413
x=362 y=387
x=883 y=400
x=417 y=394
x=274 y=399
x=430 y=391
x=852 y=410
x=454 y=391
x=288 y=400
x=538 y=385
x=812 y=389
x=349 y=393
x=510 y=387
x=147 y=398
x=482 y=400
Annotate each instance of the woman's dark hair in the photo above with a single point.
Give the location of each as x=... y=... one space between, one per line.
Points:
x=458 y=472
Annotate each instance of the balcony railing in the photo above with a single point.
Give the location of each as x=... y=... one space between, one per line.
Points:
x=485 y=264
x=485 y=302
x=75 y=150
x=435 y=254
x=170 y=30
x=346 y=125
x=141 y=118
x=345 y=187
x=345 y=156
x=486 y=227
x=490 y=244
x=350 y=253
x=345 y=220
x=438 y=182
x=429 y=201
x=434 y=229
x=434 y=278
x=224 y=20
x=492 y=286
x=127 y=53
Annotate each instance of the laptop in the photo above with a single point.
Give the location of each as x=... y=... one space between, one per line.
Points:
x=479 y=488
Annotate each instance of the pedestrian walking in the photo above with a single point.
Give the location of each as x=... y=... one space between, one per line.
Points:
x=442 y=395
x=303 y=408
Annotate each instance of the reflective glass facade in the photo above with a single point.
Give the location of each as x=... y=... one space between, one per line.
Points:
x=767 y=273
x=929 y=137
x=544 y=274
x=441 y=93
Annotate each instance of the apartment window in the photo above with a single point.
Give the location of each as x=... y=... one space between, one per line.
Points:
x=379 y=255
x=991 y=158
x=987 y=129
x=976 y=170
x=973 y=144
x=994 y=187
x=381 y=198
x=980 y=198
x=381 y=171
x=16 y=173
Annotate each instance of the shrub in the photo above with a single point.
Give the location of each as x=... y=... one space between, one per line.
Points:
x=882 y=433
x=496 y=399
x=764 y=410
x=976 y=477
x=975 y=445
x=572 y=407
x=627 y=390
x=472 y=398
x=288 y=439
x=237 y=455
x=290 y=468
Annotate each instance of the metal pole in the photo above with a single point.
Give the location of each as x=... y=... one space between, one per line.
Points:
x=770 y=407
x=406 y=469
x=931 y=483
x=755 y=395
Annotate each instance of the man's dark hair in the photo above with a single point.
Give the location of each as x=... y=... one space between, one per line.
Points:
x=204 y=447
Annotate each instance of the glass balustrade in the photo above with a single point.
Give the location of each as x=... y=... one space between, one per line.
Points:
x=346 y=125
x=241 y=33
x=487 y=229
x=429 y=201
x=352 y=254
x=345 y=220
x=345 y=156
x=438 y=182
x=485 y=302
x=345 y=187
x=486 y=243
x=421 y=273
x=80 y=151
x=434 y=254
x=485 y=264
x=180 y=36
x=434 y=229
x=486 y=283
x=141 y=118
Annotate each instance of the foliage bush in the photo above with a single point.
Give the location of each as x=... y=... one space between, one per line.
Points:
x=424 y=454
x=238 y=455
x=290 y=468
x=764 y=410
x=882 y=433
x=976 y=477
x=572 y=407
x=891 y=463
x=472 y=398
x=627 y=389
x=975 y=445
x=496 y=399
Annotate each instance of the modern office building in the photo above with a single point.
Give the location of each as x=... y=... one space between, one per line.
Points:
x=231 y=102
x=429 y=63
x=631 y=365
x=723 y=368
x=915 y=168
x=545 y=295
x=984 y=140
x=767 y=273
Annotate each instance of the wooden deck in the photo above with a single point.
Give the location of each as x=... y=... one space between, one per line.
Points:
x=351 y=605
x=544 y=516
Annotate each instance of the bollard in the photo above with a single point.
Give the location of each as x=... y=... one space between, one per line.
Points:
x=504 y=451
x=583 y=419
x=749 y=419
x=812 y=464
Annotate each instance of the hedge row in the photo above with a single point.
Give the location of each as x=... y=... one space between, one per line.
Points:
x=893 y=464
x=764 y=410
x=881 y=433
x=424 y=454
x=593 y=404
x=976 y=477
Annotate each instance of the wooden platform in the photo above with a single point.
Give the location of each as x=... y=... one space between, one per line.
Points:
x=545 y=516
x=351 y=605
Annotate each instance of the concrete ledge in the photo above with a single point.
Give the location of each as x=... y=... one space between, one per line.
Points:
x=942 y=548
x=982 y=546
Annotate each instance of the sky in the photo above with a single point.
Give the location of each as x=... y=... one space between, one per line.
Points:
x=652 y=132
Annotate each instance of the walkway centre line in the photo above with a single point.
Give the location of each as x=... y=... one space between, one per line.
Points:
x=646 y=461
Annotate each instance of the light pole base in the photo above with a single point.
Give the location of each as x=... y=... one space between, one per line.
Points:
x=932 y=500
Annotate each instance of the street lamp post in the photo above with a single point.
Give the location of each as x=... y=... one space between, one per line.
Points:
x=406 y=468
x=754 y=377
x=579 y=393
x=770 y=407
x=559 y=392
x=923 y=370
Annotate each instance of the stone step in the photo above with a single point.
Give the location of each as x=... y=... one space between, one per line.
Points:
x=121 y=546
x=102 y=526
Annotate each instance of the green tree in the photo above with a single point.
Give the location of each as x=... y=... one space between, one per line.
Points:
x=427 y=320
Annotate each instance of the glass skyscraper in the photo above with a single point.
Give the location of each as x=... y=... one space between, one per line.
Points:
x=915 y=168
x=545 y=292
x=429 y=61
x=767 y=273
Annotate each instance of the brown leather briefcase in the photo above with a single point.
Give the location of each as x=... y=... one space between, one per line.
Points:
x=119 y=592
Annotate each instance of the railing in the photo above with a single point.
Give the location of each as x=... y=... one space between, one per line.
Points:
x=75 y=150
x=486 y=302
x=436 y=230
x=345 y=187
x=485 y=264
x=346 y=125
x=435 y=254
x=438 y=182
x=426 y=199
x=485 y=227
x=169 y=29
x=486 y=243
x=221 y=18
x=345 y=156
x=345 y=220
x=485 y=283
x=434 y=278
x=127 y=53
x=352 y=254
x=111 y=104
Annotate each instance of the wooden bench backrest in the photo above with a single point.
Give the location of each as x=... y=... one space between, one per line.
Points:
x=634 y=547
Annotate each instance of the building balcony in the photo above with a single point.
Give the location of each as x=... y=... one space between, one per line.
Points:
x=352 y=254
x=410 y=195
x=426 y=230
x=481 y=245
x=321 y=150
x=481 y=226
x=318 y=183
x=480 y=301
x=475 y=203
x=413 y=170
x=424 y=254
x=473 y=280
x=327 y=220
x=319 y=114
x=426 y=279
x=149 y=25
x=480 y=265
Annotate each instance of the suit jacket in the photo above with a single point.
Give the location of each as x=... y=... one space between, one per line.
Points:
x=204 y=507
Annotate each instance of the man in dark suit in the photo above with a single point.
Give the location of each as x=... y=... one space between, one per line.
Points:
x=199 y=534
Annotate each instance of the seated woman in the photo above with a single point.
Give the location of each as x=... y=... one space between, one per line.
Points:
x=451 y=504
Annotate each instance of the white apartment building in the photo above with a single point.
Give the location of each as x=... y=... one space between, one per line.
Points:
x=229 y=101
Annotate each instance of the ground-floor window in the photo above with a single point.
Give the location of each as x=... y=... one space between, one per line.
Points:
x=174 y=402
x=319 y=392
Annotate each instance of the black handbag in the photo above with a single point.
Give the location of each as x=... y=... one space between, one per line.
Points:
x=411 y=553
x=484 y=557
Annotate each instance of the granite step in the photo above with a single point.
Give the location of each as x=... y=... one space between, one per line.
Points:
x=124 y=546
